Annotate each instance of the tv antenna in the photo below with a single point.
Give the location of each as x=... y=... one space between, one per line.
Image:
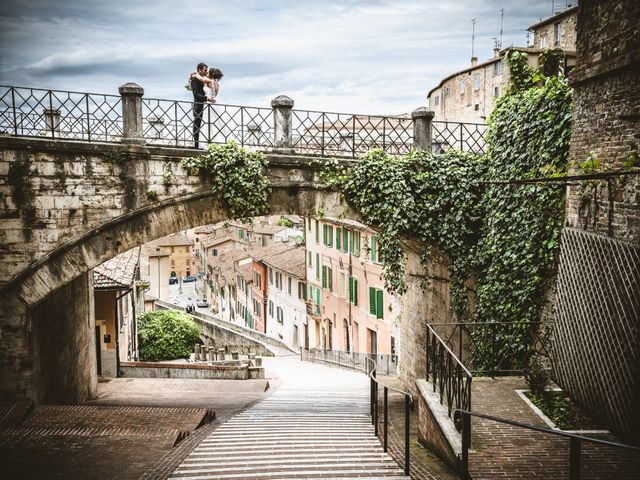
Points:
x=473 y=35
x=501 y=23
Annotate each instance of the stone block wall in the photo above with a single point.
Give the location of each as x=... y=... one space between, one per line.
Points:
x=598 y=309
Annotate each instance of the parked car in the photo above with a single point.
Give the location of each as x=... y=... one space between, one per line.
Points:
x=201 y=302
x=173 y=280
x=190 y=278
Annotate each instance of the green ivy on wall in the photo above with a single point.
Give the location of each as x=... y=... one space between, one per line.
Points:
x=238 y=177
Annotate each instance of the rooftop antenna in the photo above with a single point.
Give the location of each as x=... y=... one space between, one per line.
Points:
x=473 y=36
x=501 y=22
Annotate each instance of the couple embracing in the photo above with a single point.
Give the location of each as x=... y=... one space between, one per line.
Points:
x=204 y=86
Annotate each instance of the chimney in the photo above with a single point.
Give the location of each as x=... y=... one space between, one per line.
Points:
x=496 y=52
x=474 y=61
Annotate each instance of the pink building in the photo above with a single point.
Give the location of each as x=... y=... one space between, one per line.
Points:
x=348 y=307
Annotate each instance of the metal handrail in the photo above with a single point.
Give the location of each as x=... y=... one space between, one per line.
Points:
x=575 y=445
x=447 y=373
x=408 y=402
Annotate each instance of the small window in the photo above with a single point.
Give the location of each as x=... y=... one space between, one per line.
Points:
x=447 y=91
x=556 y=34
x=496 y=92
x=543 y=42
x=476 y=82
x=476 y=107
x=462 y=87
x=437 y=101
x=497 y=68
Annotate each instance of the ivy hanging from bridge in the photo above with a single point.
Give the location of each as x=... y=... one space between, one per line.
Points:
x=238 y=177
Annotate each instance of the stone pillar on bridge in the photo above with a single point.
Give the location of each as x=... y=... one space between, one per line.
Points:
x=282 y=124
x=422 y=132
x=132 y=131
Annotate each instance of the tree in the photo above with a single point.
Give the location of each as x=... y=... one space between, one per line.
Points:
x=166 y=335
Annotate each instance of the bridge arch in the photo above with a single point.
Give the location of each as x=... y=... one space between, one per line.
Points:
x=51 y=296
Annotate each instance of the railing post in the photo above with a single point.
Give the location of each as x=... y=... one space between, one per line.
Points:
x=386 y=417
x=466 y=444
x=282 y=124
x=15 y=113
x=422 y=135
x=574 y=459
x=131 y=94
x=407 y=444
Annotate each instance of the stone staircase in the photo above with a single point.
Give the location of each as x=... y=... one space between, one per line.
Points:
x=316 y=425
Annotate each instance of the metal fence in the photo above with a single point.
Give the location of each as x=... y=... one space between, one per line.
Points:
x=360 y=361
x=94 y=117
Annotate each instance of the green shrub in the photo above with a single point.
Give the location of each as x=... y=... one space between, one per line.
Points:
x=166 y=335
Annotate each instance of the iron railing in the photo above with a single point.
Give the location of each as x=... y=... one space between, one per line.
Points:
x=94 y=117
x=467 y=137
x=448 y=376
x=35 y=112
x=463 y=416
x=495 y=348
x=360 y=361
x=374 y=389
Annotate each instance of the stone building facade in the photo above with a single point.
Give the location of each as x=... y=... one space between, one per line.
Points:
x=557 y=31
x=598 y=308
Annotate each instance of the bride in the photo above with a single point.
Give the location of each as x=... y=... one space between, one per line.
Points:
x=219 y=132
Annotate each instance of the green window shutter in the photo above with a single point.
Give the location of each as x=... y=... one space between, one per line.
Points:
x=324 y=234
x=380 y=303
x=310 y=260
x=345 y=240
x=351 y=289
x=330 y=279
x=351 y=241
x=372 y=300
x=318 y=297
x=331 y=236
x=355 y=292
x=310 y=292
x=324 y=277
x=374 y=249
x=338 y=238
x=317 y=266
x=317 y=231
x=356 y=241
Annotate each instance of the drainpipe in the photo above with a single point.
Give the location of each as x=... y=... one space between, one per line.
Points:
x=117 y=331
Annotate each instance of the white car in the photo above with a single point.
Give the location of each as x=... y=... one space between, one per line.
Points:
x=202 y=303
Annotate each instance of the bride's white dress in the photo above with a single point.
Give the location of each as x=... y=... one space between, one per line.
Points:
x=216 y=118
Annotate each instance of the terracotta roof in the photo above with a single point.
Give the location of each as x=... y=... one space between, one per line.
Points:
x=557 y=16
x=212 y=241
x=263 y=253
x=173 y=241
x=246 y=272
x=225 y=265
x=291 y=262
x=268 y=229
x=119 y=272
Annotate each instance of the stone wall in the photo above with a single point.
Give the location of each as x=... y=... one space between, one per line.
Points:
x=64 y=352
x=239 y=371
x=598 y=310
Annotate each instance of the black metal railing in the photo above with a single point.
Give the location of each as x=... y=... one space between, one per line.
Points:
x=383 y=423
x=575 y=446
x=360 y=361
x=94 y=117
x=448 y=376
x=495 y=348
x=467 y=137
x=346 y=134
x=35 y=112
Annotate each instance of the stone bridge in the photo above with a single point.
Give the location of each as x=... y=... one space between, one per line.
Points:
x=69 y=206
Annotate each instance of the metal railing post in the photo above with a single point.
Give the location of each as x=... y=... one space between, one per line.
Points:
x=407 y=405
x=15 y=114
x=371 y=396
x=86 y=102
x=375 y=409
x=466 y=443
x=386 y=417
x=574 y=458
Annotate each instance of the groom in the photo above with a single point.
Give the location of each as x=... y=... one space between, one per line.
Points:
x=199 y=99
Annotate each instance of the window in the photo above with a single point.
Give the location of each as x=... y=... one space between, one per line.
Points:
x=310 y=292
x=317 y=231
x=173 y=263
x=317 y=301
x=556 y=34
x=241 y=233
x=338 y=238
x=310 y=260
x=317 y=266
x=279 y=280
x=257 y=279
x=302 y=292
x=327 y=278
x=496 y=92
x=543 y=42
x=308 y=224
x=270 y=308
x=345 y=240
x=279 y=315
x=214 y=252
x=353 y=290
x=171 y=249
x=462 y=87
x=476 y=107
x=476 y=82
x=447 y=91
x=375 y=249
x=376 y=302
x=270 y=276
x=354 y=242
x=497 y=68
x=342 y=284
x=436 y=101
x=330 y=236
x=289 y=286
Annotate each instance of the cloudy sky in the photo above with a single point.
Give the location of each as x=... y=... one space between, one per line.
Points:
x=354 y=56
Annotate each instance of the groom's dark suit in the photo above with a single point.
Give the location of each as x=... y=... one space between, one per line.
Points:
x=199 y=98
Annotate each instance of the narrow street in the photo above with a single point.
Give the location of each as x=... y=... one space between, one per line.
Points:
x=315 y=425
